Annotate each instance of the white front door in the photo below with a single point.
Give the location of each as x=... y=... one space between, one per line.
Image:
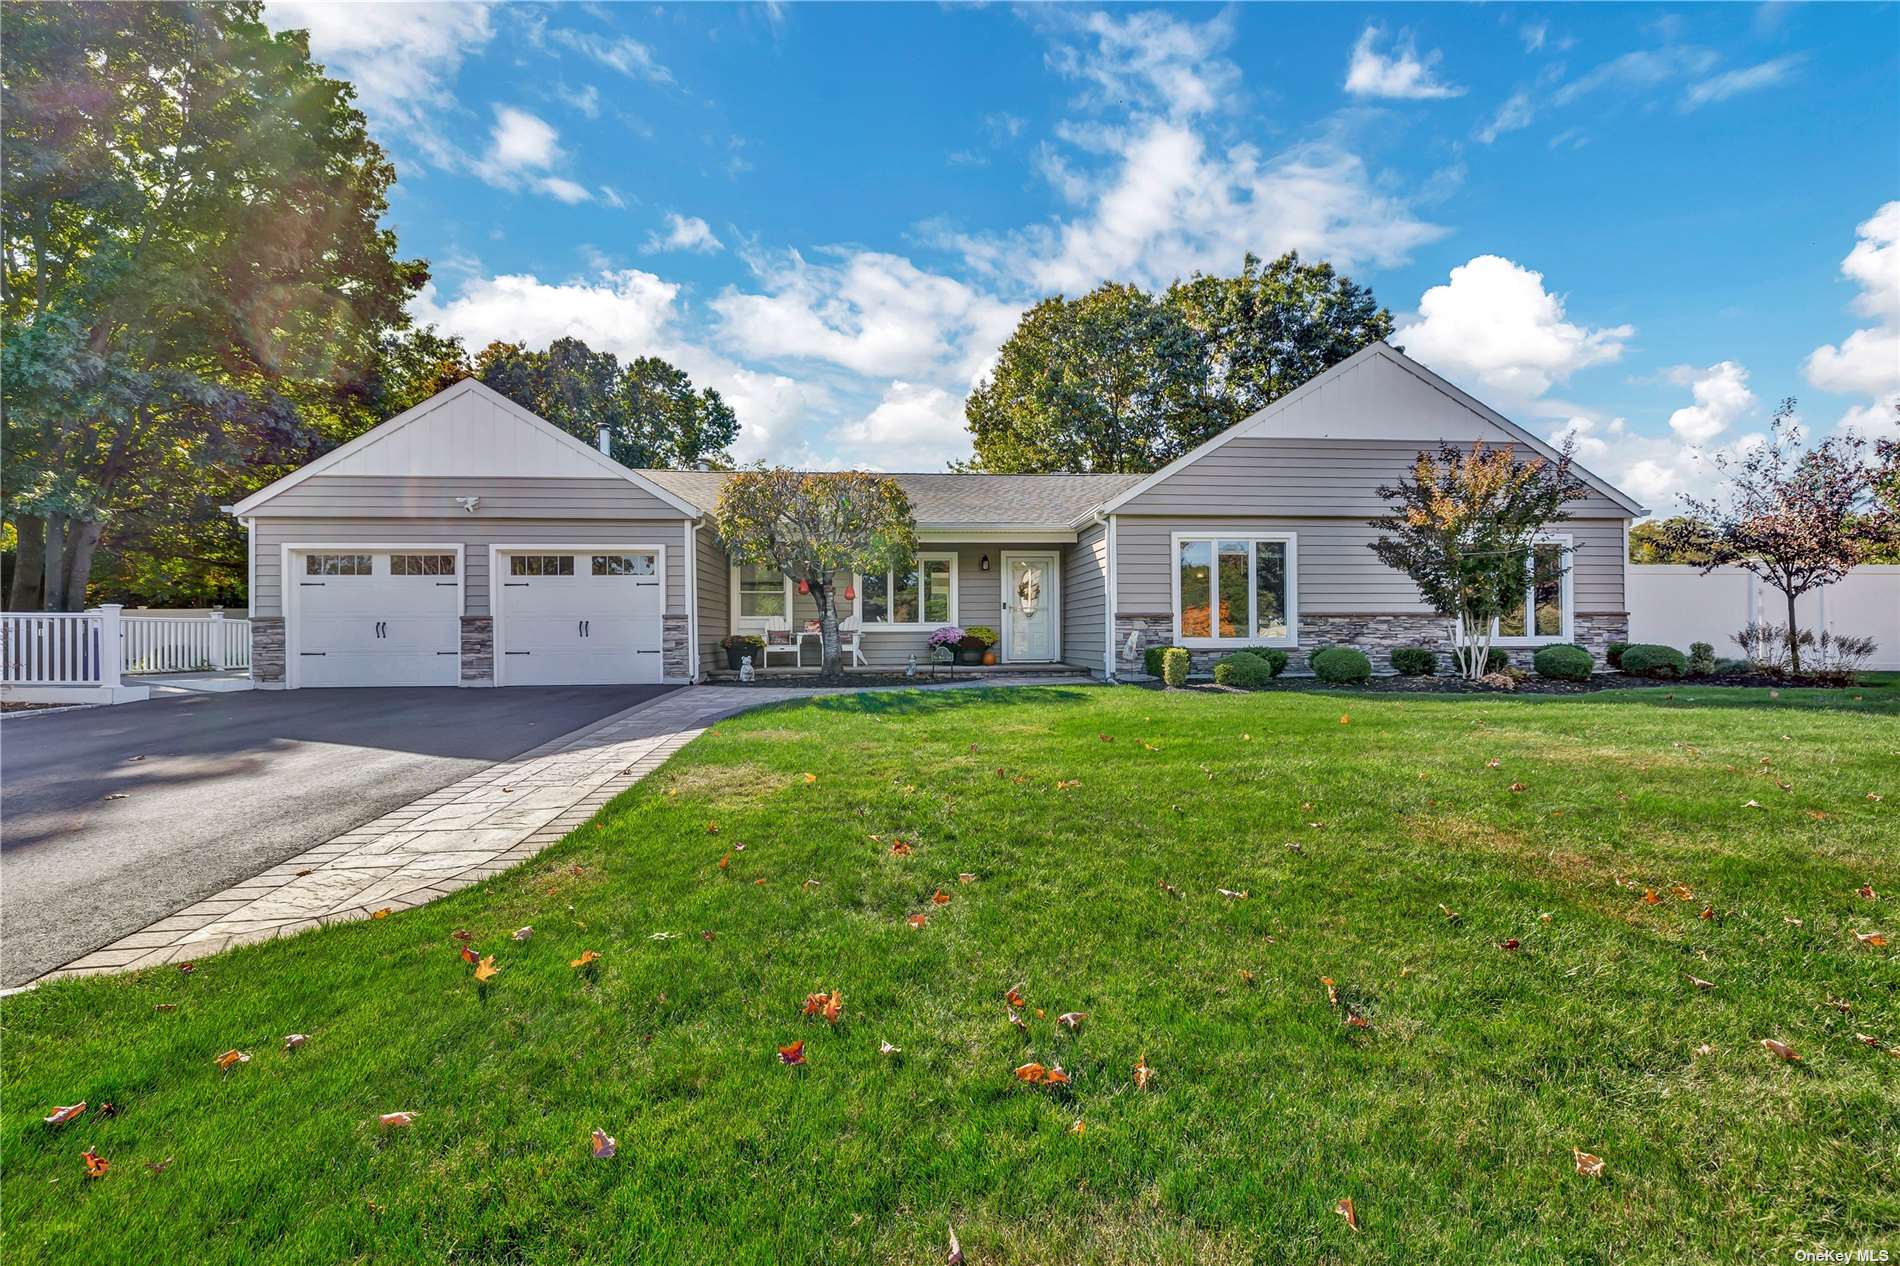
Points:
x=376 y=617
x=568 y=617
x=1031 y=632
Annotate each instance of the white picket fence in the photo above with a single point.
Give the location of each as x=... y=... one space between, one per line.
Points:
x=1677 y=605
x=97 y=647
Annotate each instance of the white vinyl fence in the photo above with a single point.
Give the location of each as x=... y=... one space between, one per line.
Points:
x=1677 y=605
x=95 y=648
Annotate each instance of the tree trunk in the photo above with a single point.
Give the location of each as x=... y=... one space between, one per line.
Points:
x=1794 y=642
x=833 y=658
x=82 y=541
x=54 y=574
x=29 y=557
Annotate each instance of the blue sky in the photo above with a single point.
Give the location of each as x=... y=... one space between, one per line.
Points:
x=1639 y=226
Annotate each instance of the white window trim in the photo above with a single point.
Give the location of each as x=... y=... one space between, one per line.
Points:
x=1292 y=542
x=922 y=557
x=754 y=623
x=1567 y=633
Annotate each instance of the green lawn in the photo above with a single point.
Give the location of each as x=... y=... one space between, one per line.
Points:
x=1098 y=825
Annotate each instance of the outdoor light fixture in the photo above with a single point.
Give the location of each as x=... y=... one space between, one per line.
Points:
x=468 y=503
x=984 y=562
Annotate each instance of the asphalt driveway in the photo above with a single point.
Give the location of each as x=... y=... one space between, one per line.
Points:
x=116 y=817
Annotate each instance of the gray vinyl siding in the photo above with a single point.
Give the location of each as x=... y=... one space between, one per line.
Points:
x=1085 y=599
x=433 y=497
x=1302 y=478
x=475 y=533
x=1338 y=574
x=714 y=596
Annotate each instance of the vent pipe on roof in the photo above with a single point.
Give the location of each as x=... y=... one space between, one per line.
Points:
x=604 y=441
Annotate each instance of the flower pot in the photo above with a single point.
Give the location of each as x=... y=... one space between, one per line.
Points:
x=736 y=653
x=969 y=657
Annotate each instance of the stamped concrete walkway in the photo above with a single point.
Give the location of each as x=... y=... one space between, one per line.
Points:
x=463 y=833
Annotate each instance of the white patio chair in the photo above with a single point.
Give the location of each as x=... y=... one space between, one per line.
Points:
x=779 y=625
x=851 y=642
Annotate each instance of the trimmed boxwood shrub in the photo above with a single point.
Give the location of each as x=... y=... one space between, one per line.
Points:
x=1174 y=665
x=1275 y=657
x=1495 y=660
x=1414 y=661
x=1341 y=664
x=1151 y=660
x=1564 y=662
x=1614 y=653
x=1243 y=670
x=1646 y=660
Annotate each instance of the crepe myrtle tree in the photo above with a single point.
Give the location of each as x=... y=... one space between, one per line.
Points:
x=1797 y=517
x=1463 y=525
x=812 y=527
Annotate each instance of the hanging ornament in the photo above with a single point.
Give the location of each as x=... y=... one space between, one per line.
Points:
x=850 y=594
x=804 y=586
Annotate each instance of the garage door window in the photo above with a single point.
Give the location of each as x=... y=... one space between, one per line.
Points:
x=541 y=565
x=422 y=564
x=623 y=564
x=336 y=564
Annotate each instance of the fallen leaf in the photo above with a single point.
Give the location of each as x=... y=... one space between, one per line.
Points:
x=185 y=969
x=463 y=935
x=1698 y=982
x=1079 y=1127
x=469 y=955
x=1705 y=1049
x=1649 y=897
x=1168 y=887
x=1294 y=846
x=1518 y=786
x=1072 y=1020
x=1031 y=1073
x=305 y=871
x=486 y=970
x=62 y=1115
x=1231 y=894
x=1682 y=892
x=725 y=861
x=1056 y=1077
x=900 y=849
x=1016 y=1020
x=1143 y=1073
x=940 y=897
x=1587 y=1165
x=230 y=1059
x=1791 y=921
x=809 y=885
x=1068 y=784
x=159 y=1167
x=1867 y=1039
x=1451 y=915
x=604 y=1145
x=1751 y=805
x=706 y=936
x=1876 y=939
x=1875 y=796
x=1781 y=1049
x=1841 y=1005
x=965 y=877
x=885 y=1048
x=522 y=934
x=1354 y=1020
x=165 y=1006
x=1509 y=946
x=396 y=1120
x=383 y=913
x=1345 y=1210
x=293 y=1040
x=1332 y=990
x=1493 y=763
x=1246 y=976
x=1706 y=912
x=955 y=1256
x=587 y=956
x=1106 y=738
x=1866 y=891
x=918 y=920
x=1345 y=718
x=96 y=1165
x=1014 y=995
x=810 y=778
x=793 y=1054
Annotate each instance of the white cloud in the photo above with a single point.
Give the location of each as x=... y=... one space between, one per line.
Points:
x=1533 y=34
x=874 y=314
x=1732 y=83
x=1149 y=61
x=628 y=56
x=684 y=233
x=522 y=150
x=1721 y=397
x=913 y=427
x=1640 y=69
x=563 y=189
x=1867 y=362
x=1494 y=324
x=1404 y=75
x=403 y=60
x=623 y=311
x=1514 y=115
x=585 y=99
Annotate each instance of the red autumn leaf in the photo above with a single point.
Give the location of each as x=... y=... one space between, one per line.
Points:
x=793 y=1054
x=230 y=1059
x=1649 y=897
x=1706 y=912
x=1780 y=1049
x=1356 y=1021
x=725 y=861
x=1345 y=1210
x=918 y=920
x=1587 y=1165
x=1056 y=1077
x=96 y=1165
x=1509 y=946
x=1867 y=891
x=469 y=955
x=940 y=897
x=1014 y=995
x=62 y=1115
x=901 y=849
x=396 y=1120
x=1031 y=1073
x=604 y=1145
x=463 y=935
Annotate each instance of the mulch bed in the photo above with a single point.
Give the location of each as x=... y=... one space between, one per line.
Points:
x=1529 y=686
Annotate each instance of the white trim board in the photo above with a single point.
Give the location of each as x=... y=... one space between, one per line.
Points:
x=1260 y=424
x=576 y=454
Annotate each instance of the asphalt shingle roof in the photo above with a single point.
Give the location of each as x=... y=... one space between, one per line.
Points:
x=1040 y=501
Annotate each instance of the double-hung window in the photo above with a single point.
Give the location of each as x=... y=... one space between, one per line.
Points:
x=924 y=595
x=1238 y=588
x=762 y=593
x=1544 y=613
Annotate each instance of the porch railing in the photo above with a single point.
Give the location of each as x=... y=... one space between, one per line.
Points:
x=95 y=648
x=184 y=644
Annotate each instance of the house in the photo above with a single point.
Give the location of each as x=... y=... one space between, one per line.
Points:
x=468 y=542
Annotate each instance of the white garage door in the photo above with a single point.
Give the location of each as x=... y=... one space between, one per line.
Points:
x=377 y=618
x=579 y=617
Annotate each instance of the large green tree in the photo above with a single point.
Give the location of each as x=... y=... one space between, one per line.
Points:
x=654 y=415
x=1121 y=380
x=192 y=249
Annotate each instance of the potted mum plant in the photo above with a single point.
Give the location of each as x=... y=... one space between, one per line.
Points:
x=976 y=644
x=740 y=645
x=943 y=644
